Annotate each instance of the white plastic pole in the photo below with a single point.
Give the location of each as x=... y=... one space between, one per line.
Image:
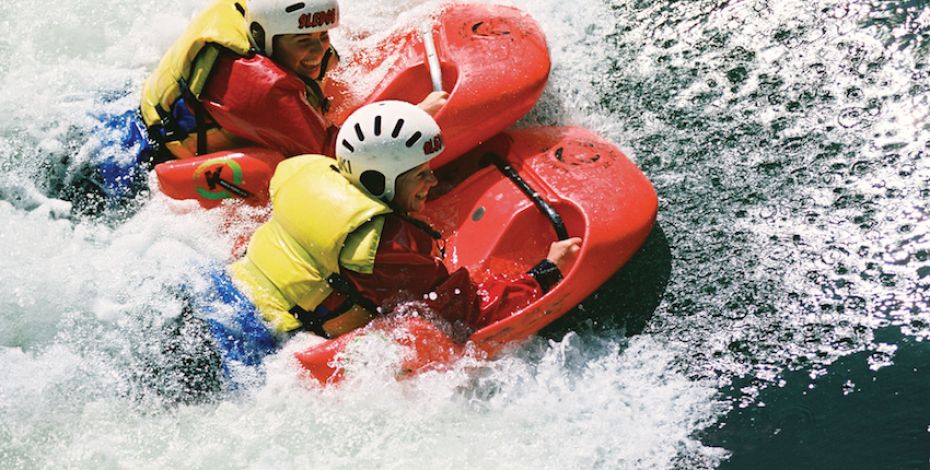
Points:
x=432 y=58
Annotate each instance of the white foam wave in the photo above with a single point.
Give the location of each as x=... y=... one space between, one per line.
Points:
x=66 y=285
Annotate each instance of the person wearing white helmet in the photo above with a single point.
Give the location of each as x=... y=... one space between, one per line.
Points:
x=248 y=73
x=295 y=35
x=343 y=243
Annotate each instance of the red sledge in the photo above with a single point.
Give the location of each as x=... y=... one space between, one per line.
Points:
x=492 y=60
x=494 y=64
x=501 y=206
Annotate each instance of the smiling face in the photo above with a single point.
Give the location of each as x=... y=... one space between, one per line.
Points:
x=301 y=53
x=412 y=187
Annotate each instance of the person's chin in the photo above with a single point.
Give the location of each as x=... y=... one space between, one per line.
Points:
x=310 y=73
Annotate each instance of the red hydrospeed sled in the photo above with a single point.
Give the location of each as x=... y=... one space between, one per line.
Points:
x=502 y=205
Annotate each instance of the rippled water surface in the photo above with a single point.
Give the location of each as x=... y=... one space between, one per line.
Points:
x=779 y=309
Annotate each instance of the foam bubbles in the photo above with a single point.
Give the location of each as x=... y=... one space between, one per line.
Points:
x=79 y=298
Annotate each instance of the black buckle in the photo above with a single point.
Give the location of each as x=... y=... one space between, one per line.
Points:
x=309 y=321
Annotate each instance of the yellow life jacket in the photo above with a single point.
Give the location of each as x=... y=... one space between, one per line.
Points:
x=320 y=223
x=184 y=69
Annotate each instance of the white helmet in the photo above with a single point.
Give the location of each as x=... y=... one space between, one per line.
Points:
x=381 y=141
x=269 y=18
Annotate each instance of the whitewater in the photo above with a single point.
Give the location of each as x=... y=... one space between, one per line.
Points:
x=779 y=309
x=78 y=296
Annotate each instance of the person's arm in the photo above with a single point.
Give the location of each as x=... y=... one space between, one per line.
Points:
x=562 y=255
x=499 y=298
x=434 y=102
x=407 y=269
x=400 y=277
x=477 y=305
x=256 y=100
x=459 y=298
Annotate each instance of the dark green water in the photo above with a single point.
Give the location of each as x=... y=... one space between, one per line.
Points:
x=852 y=417
x=789 y=143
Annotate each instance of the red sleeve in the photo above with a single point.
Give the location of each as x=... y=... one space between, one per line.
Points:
x=255 y=99
x=407 y=267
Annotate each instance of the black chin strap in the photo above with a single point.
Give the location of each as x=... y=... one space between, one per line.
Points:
x=420 y=224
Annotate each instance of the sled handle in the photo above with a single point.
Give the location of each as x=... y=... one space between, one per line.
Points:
x=432 y=58
x=547 y=210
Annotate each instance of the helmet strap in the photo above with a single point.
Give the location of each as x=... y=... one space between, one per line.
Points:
x=418 y=223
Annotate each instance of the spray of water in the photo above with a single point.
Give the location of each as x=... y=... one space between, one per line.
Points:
x=84 y=302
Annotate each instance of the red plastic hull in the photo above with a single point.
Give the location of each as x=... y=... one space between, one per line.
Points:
x=489 y=225
x=209 y=179
x=429 y=348
x=494 y=62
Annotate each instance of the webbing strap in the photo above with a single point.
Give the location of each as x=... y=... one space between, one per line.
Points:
x=348 y=289
x=310 y=321
x=200 y=114
x=314 y=321
x=172 y=130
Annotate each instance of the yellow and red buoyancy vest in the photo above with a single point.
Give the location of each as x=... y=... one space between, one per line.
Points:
x=185 y=69
x=187 y=64
x=320 y=223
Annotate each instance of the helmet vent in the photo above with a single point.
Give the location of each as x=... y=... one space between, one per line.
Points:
x=295 y=7
x=347 y=145
x=413 y=139
x=373 y=181
x=240 y=8
x=400 y=124
x=359 y=133
x=377 y=125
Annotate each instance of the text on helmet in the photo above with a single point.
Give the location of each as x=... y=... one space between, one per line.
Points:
x=317 y=19
x=432 y=146
x=345 y=166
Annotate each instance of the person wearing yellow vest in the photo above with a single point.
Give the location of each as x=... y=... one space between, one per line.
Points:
x=343 y=244
x=248 y=73
x=243 y=73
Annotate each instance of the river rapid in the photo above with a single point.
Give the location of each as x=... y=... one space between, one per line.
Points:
x=779 y=308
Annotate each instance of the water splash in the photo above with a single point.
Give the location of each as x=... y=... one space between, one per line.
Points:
x=783 y=139
x=84 y=300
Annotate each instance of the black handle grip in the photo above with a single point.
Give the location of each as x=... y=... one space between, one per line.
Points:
x=534 y=196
